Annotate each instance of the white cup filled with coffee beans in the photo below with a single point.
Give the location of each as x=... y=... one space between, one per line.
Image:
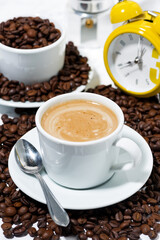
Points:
x=80 y=136
x=32 y=49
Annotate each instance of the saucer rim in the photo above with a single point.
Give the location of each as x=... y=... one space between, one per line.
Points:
x=81 y=192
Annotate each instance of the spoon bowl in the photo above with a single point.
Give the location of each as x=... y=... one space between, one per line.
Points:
x=29 y=160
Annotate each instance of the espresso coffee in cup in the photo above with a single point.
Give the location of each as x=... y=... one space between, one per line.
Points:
x=80 y=136
x=79 y=121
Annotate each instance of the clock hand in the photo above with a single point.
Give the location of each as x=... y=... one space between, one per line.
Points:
x=140 y=52
x=139 y=60
x=139 y=47
x=127 y=64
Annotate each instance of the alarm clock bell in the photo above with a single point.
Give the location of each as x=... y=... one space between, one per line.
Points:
x=124 y=10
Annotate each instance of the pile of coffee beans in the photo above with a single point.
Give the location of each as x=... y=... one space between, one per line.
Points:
x=75 y=73
x=139 y=214
x=28 y=32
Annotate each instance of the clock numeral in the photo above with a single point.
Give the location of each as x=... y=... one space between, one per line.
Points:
x=155 y=72
x=130 y=37
x=141 y=38
x=137 y=81
x=120 y=65
x=127 y=75
x=122 y=43
x=147 y=81
x=118 y=53
x=155 y=54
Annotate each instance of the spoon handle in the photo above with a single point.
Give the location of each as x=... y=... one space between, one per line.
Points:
x=57 y=212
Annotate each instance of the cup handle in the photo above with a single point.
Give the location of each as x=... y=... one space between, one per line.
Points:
x=134 y=152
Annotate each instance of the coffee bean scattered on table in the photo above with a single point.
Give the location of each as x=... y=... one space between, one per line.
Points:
x=74 y=73
x=28 y=32
x=128 y=219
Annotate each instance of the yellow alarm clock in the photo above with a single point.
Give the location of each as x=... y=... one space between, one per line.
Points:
x=132 y=51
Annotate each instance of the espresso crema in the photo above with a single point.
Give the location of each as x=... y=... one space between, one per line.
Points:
x=79 y=121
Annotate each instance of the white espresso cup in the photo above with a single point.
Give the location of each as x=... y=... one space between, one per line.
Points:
x=82 y=165
x=33 y=65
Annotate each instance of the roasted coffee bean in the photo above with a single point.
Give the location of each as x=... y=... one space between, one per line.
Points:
x=119 y=216
x=31 y=93
x=145 y=229
x=156 y=216
x=103 y=236
x=2 y=206
x=7 y=190
x=16 y=218
x=82 y=220
x=16 y=97
x=32 y=232
x=122 y=238
x=6 y=226
x=41 y=224
x=2 y=186
x=10 y=211
x=151 y=221
x=58 y=230
x=89 y=233
x=114 y=223
x=40 y=231
x=47 y=234
x=152 y=201
x=32 y=209
x=125 y=220
x=124 y=225
x=152 y=234
x=26 y=216
x=15 y=195
x=156 y=227
x=19 y=230
x=31 y=33
x=33 y=218
x=23 y=210
x=95 y=237
x=137 y=217
x=17 y=204
x=26 y=223
x=82 y=236
x=89 y=225
x=7 y=219
x=8 y=233
x=25 y=34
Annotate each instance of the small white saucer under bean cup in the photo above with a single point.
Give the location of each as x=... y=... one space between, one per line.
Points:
x=83 y=165
x=33 y=65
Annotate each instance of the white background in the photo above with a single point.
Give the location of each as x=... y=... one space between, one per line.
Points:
x=61 y=11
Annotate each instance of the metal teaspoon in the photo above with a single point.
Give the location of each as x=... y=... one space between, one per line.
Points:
x=30 y=161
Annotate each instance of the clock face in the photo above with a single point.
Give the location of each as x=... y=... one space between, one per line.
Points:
x=134 y=63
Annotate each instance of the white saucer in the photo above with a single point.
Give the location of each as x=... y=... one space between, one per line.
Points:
x=28 y=104
x=121 y=186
